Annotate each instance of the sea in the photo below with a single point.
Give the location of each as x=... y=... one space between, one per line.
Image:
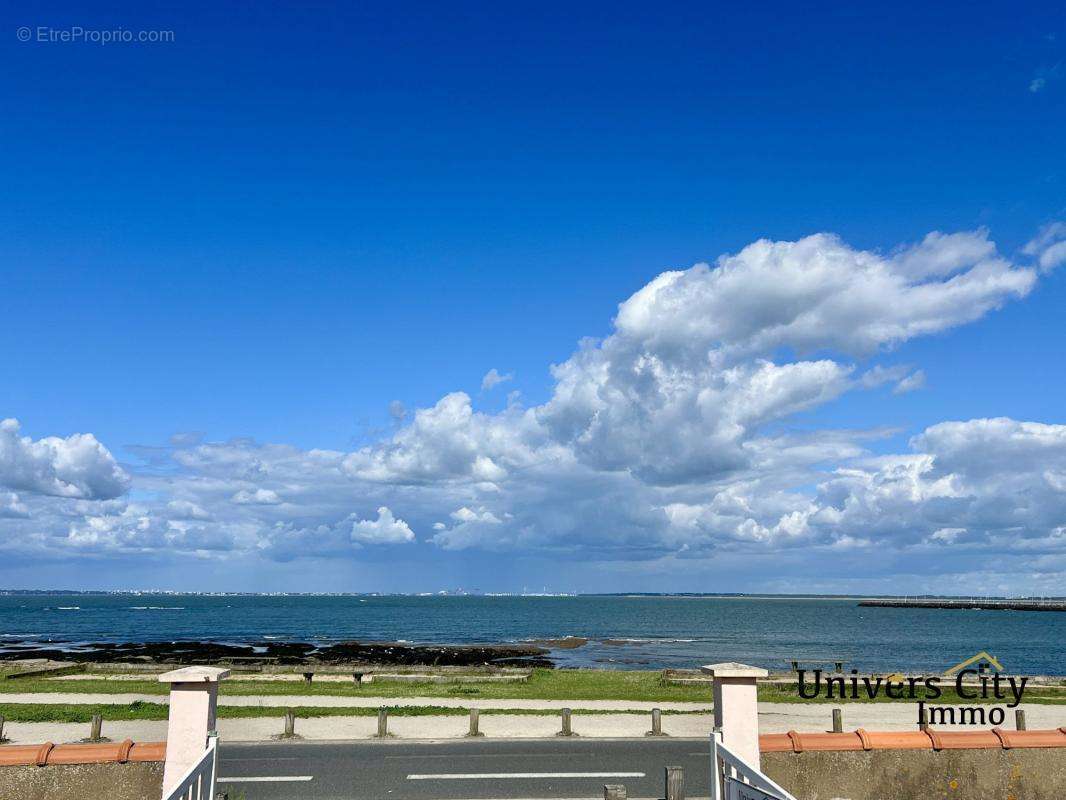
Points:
x=623 y=632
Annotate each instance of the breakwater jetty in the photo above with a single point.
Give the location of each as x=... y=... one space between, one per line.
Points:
x=973 y=603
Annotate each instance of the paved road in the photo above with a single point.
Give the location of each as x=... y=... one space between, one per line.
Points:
x=459 y=770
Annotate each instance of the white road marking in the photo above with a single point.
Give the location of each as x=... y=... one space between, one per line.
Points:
x=268 y=779
x=703 y=797
x=467 y=776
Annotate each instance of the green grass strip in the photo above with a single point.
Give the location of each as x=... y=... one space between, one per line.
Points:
x=139 y=710
x=545 y=684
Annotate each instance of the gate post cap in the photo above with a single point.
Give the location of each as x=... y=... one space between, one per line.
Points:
x=731 y=669
x=194 y=675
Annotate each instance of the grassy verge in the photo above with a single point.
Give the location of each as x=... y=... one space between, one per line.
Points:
x=545 y=684
x=44 y=712
x=48 y=712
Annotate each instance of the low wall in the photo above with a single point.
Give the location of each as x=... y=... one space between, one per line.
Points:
x=130 y=781
x=113 y=770
x=1028 y=774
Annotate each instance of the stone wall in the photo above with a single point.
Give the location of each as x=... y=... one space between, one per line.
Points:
x=984 y=774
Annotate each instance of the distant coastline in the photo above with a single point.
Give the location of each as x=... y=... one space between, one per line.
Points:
x=460 y=593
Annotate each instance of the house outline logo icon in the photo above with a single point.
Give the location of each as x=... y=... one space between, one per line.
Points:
x=984 y=655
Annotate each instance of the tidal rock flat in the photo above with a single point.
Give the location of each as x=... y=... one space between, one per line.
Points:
x=283 y=653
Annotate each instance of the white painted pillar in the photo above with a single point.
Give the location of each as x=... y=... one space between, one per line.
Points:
x=193 y=701
x=736 y=707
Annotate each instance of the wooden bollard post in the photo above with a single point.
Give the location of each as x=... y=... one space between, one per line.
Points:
x=475 y=716
x=675 y=783
x=1019 y=719
x=383 y=723
x=656 y=723
x=614 y=791
x=290 y=724
x=566 y=729
x=95 y=726
x=838 y=721
x=923 y=720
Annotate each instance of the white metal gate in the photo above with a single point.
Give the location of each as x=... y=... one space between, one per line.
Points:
x=198 y=783
x=732 y=778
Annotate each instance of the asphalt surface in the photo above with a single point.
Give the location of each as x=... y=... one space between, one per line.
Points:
x=475 y=769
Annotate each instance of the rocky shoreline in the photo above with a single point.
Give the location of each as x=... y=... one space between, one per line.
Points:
x=266 y=653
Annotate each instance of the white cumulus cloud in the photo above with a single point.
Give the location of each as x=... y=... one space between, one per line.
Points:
x=263 y=497
x=673 y=440
x=1049 y=246
x=11 y=506
x=386 y=529
x=913 y=382
x=77 y=466
x=493 y=379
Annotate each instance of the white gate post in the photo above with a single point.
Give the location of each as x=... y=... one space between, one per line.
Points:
x=736 y=707
x=193 y=701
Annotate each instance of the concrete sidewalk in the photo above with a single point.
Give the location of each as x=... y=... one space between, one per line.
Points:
x=340 y=701
x=508 y=726
x=773 y=718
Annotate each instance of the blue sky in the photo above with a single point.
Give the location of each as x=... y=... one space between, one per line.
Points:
x=287 y=218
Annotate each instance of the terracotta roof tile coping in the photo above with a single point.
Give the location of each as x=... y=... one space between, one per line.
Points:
x=791 y=742
x=931 y=739
x=24 y=755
